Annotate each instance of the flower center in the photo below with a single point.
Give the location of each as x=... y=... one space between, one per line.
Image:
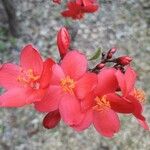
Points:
x=101 y=103
x=68 y=84
x=139 y=95
x=28 y=78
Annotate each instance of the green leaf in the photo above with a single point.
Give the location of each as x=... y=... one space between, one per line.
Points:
x=96 y=55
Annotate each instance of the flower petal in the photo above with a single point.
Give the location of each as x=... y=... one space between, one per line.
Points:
x=107 y=82
x=90 y=8
x=130 y=78
x=31 y=59
x=143 y=124
x=137 y=107
x=87 y=102
x=85 y=84
x=74 y=64
x=106 y=122
x=35 y=95
x=121 y=82
x=119 y=104
x=51 y=119
x=46 y=74
x=50 y=101
x=57 y=75
x=85 y=123
x=16 y=97
x=70 y=110
x=8 y=76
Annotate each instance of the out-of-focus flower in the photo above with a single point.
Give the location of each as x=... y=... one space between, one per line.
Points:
x=63 y=41
x=25 y=83
x=77 y=9
x=70 y=82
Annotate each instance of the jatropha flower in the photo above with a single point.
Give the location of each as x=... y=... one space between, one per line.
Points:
x=102 y=106
x=77 y=8
x=27 y=82
x=97 y=106
x=70 y=82
x=131 y=94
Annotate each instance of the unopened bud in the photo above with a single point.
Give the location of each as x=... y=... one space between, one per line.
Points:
x=124 y=60
x=63 y=41
x=100 y=66
x=51 y=119
x=109 y=55
x=111 y=52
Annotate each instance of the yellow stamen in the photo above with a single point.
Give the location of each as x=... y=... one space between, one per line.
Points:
x=101 y=103
x=28 y=78
x=139 y=95
x=68 y=84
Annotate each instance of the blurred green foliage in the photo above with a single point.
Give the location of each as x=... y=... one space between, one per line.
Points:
x=5 y=38
x=2 y=46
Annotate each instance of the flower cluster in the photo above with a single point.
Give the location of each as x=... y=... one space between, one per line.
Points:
x=69 y=90
x=76 y=9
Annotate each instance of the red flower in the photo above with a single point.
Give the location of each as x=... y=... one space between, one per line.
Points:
x=97 y=107
x=63 y=41
x=27 y=82
x=69 y=84
x=101 y=106
x=131 y=94
x=77 y=9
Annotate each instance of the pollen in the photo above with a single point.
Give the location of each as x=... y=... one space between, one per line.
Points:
x=101 y=103
x=139 y=95
x=67 y=84
x=28 y=78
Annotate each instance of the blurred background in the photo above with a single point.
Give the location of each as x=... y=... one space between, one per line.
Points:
x=124 y=24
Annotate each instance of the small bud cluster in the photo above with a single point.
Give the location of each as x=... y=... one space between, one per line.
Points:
x=119 y=63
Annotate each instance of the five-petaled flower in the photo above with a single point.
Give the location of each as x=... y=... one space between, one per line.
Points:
x=102 y=106
x=70 y=83
x=98 y=108
x=131 y=94
x=25 y=83
x=77 y=9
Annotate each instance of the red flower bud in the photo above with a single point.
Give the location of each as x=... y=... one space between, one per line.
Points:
x=51 y=119
x=111 y=52
x=63 y=41
x=57 y=1
x=100 y=66
x=124 y=60
x=109 y=55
